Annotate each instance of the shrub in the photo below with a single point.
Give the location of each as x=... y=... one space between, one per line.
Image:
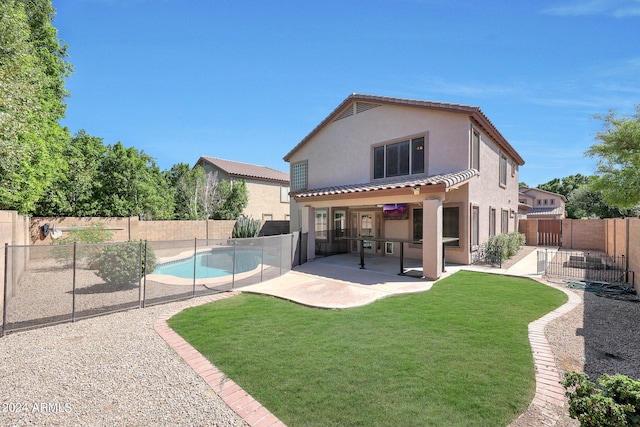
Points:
x=503 y=246
x=616 y=403
x=62 y=251
x=246 y=227
x=121 y=264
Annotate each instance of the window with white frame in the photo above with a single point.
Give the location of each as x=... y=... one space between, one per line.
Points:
x=321 y=224
x=400 y=158
x=284 y=194
x=299 y=176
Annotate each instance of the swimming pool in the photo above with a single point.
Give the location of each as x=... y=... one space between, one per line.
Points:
x=211 y=264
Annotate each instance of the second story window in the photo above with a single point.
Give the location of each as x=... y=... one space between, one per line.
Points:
x=398 y=159
x=503 y=170
x=299 y=176
x=475 y=150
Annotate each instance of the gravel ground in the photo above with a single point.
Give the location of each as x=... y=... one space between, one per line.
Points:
x=106 y=371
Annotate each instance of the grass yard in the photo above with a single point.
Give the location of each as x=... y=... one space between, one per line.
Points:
x=456 y=355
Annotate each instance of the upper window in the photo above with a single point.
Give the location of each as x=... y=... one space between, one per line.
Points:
x=299 y=176
x=475 y=150
x=503 y=170
x=398 y=159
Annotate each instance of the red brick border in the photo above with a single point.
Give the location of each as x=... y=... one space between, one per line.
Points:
x=233 y=395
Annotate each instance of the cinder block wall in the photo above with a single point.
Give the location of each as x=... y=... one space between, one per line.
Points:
x=634 y=248
x=584 y=234
x=124 y=229
x=14 y=230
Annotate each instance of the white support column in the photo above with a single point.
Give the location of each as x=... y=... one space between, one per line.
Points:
x=432 y=238
x=309 y=227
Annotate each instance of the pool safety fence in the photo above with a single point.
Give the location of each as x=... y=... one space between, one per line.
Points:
x=47 y=285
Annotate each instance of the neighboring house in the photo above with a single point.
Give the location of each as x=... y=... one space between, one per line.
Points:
x=399 y=169
x=541 y=204
x=268 y=188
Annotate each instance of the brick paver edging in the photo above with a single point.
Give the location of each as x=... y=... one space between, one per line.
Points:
x=238 y=400
x=548 y=376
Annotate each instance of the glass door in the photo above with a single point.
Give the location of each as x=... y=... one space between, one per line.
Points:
x=364 y=226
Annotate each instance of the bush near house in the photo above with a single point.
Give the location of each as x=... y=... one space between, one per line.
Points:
x=504 y=246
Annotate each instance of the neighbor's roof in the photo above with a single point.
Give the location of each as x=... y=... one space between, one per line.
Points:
x=474 y=113
x=448 y=180
x=246 y=170
x=559 y=210
x=526 y=190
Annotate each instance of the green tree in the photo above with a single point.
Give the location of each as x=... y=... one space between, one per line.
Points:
x=32 y=73
x=74 y=194
x=585 y=202
x=618 y=154
x=233 y=198
x=565 y=186
x=131 y=184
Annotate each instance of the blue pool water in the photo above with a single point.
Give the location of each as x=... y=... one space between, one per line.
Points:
x=211 y=264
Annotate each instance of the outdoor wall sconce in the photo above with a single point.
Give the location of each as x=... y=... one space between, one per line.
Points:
x=416 y=190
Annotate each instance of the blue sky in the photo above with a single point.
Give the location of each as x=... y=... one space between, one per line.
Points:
x=247 y=80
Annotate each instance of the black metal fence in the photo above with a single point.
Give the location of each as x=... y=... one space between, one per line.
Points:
x=489 y=255
x=45 y=285
x=585 y=266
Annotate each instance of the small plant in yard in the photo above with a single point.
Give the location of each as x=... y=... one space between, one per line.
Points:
x=616 y=403
x=62 y=251
x=246 y=227
x=121 y=264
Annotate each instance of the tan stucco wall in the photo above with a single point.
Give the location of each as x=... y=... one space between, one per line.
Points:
x=340 y=152
x=264 y=198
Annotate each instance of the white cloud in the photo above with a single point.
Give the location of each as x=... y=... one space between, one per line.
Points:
x=615 y=8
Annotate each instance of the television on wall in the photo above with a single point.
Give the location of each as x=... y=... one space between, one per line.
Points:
x=395 y=211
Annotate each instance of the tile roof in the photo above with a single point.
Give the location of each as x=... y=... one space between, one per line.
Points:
x=449 y=180
x=246 y=170
x=546 y=211
x=473 y=112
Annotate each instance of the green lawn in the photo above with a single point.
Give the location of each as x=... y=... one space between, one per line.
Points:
x=456 y=355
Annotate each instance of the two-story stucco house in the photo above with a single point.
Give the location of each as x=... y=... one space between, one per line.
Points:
x=268 y=188
x=399 y=169
x=541 y=204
